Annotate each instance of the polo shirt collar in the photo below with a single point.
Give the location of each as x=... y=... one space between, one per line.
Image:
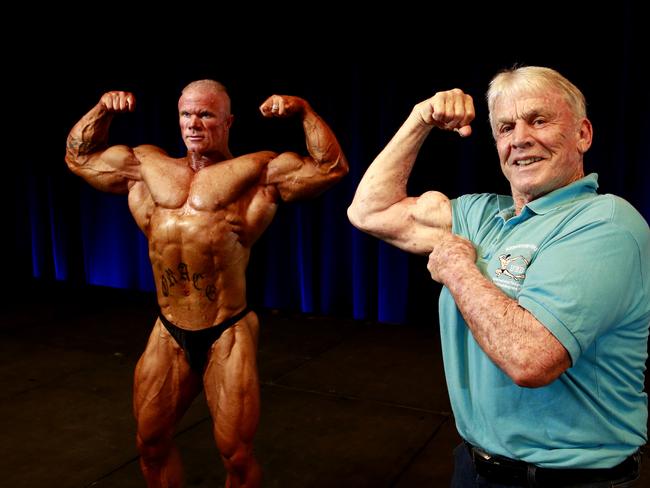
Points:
x=578 y=189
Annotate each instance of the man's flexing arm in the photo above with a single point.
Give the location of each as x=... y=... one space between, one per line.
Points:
x=296 y=176
x=112 y=169
x=381 y=206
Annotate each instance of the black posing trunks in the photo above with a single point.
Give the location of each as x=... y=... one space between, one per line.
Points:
x=197 y=343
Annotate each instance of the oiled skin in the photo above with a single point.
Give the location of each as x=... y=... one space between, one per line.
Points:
x=201 y=214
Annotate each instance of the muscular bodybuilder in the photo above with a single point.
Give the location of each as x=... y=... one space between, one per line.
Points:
x=201 y=214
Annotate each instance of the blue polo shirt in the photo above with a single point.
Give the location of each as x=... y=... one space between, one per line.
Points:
x=580 y=263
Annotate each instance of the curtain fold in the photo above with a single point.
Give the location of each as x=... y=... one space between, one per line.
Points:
x=311 y=259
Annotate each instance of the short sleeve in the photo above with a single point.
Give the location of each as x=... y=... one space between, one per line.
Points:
x=470 y=212
x=583 y=282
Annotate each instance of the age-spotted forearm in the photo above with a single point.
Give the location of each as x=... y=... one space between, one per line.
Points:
x=510 y=335
x=381 y=206
x=384 y=182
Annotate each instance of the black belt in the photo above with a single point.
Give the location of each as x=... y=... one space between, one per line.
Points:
x=500 y=469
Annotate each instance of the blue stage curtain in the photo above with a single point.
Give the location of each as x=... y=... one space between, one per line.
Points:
x=311 y=259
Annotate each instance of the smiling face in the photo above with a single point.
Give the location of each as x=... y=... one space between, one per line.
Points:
x=205 y=119
x=540 y=142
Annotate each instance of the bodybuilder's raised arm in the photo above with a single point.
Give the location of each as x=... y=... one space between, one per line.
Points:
x=381 y=206
x=296 y=176
x=113 y=169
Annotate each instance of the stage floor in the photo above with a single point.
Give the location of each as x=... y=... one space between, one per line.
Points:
x=344 y=403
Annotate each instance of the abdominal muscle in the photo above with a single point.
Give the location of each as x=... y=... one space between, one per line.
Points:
x=199 y=266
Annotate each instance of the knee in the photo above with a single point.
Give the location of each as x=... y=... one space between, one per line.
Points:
x=240 y=460
x=154 y=449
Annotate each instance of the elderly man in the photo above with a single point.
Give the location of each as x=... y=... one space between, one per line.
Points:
x=545 y=308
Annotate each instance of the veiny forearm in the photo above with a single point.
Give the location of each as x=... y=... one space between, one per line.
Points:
x=323 y=146
x=510 y=335
x=88 y=136
x=296 y=177
x=112 y=169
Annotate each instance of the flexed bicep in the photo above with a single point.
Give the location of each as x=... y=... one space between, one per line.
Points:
x=113 y=169
x=297 y=176
x=413 y=224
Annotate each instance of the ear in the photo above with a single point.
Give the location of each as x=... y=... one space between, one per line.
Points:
x=229 y=120
x=585 y=135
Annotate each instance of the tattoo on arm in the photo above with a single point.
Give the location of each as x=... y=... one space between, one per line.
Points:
x=81 y=147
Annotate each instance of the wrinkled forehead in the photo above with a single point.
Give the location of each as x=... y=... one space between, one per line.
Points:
x=204 y=99
x=518 y=101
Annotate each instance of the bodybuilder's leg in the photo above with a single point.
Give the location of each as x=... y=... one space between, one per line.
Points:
x=232 y=390
x=164 y=388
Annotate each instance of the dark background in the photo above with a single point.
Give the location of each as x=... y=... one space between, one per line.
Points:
x=362 y=75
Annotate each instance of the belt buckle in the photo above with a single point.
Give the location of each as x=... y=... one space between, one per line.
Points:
x=482 y=454
x=499 y=469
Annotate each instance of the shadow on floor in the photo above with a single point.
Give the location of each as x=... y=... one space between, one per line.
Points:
x=344 y=403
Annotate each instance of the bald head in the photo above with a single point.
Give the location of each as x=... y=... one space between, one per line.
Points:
x=205 y=119
x=211 y=87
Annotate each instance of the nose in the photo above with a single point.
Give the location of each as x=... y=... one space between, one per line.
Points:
x=521 y=136
x=195 y=122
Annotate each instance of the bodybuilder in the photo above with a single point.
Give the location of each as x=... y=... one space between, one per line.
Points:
x=201 y=214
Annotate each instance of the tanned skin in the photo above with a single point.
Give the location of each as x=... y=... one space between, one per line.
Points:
x=529 y=127
x=201 y=214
